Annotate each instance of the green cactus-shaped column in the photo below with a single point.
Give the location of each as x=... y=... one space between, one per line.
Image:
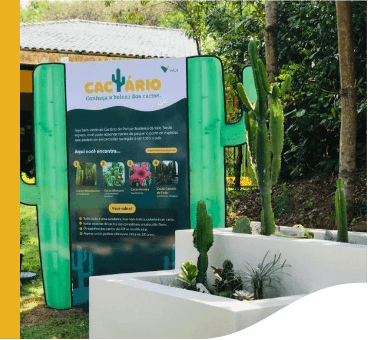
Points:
x=340 y=213
x=80 y=294
x=118 y=80
x=50 y=193
x=78 y=265
x=203 y=240
x=208 y=135
x=264 y=123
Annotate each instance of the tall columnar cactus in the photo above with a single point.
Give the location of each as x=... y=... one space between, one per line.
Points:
x=340 y=213
x=78 y=265
x=119 y=82
x=264 y=123
x=203 y=240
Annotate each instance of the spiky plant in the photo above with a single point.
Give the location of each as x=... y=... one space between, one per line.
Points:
x=264 y=275
x=264 y=123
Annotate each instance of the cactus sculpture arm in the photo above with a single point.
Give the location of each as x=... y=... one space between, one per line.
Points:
x=340 y=213
x=203 y=240
x=119 y=83
x=265 y=134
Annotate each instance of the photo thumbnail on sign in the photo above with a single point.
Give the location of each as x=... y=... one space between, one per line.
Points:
x=140 y=175
x=86 y=174
x=113 y=174
x=167 y=173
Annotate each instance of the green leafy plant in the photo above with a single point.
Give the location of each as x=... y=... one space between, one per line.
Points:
x=242 y=225
x=282 y=201
x=227 y=281
x=264 y=275
x=203 y=240
x=264 y=122
x=340 y=213
x=189 y=274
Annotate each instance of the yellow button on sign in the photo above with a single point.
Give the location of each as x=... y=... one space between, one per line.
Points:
x=125 y=208
x=161 y=150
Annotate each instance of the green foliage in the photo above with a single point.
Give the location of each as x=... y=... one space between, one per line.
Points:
x=264 y=275
x=312 y=112
x=242 y=225
x=174 y=20
x=130 y=12
x=282 y=201
x=227 y=281
x=189 y=274
x=34 y=12
x=340 y=213
x=203 y=240
x=265 y=134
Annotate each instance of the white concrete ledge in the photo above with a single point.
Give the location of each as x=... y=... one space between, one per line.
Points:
x=141 y=305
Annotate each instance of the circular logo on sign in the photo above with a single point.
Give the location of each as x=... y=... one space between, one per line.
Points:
x=155 y=162
x=130 y=163
x=103 y=164
x=76 y=164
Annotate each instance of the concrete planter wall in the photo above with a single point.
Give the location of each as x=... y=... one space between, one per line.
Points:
x=141 y=305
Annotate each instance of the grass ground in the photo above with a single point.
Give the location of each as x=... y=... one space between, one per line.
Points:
x=37 y=320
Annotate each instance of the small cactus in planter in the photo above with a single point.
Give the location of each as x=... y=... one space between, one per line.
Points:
x=203 y=240
x=264 y=123
x=188 y=275
x=340 y=213
x=242 y=225
x=227 y=281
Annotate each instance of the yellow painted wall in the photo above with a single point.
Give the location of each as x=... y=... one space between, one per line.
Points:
x=26 y=81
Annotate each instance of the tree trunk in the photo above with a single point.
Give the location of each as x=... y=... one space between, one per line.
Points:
x=348 y=129
x=270 y=39
x=237 y=170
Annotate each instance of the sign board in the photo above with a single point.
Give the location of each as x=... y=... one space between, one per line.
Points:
x=127 y=133
x=124 y=150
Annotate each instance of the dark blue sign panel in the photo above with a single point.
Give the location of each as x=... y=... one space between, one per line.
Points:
x=127 y=133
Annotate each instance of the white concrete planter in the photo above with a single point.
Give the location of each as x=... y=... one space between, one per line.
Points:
x=140 y=305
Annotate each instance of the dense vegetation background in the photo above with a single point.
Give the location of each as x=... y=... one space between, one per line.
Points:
x=307 y=48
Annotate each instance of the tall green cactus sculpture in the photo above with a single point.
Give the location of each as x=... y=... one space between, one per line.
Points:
x=264 y=124
x=50 y=193
x=208 y=135
x=340 y=213
x=119 y=83
x=203 y=240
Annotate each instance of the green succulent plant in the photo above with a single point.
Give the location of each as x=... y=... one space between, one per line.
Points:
x=189 y=274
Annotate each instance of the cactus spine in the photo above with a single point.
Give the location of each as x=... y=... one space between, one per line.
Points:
x=119 y=83
x=203 y=240
x=264 y=123
x=81 y=257
x=340 y=213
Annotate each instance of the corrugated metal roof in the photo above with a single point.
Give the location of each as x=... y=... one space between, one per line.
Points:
x=93 y=37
